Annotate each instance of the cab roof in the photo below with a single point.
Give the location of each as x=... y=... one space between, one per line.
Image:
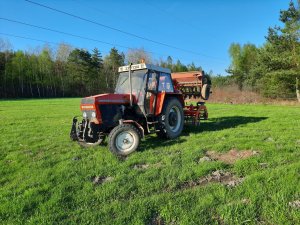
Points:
x=142 y=66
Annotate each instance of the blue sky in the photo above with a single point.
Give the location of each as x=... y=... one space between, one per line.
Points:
x=204 y=27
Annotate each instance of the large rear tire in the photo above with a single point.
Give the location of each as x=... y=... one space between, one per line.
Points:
x=171 y=119
x=124 y=139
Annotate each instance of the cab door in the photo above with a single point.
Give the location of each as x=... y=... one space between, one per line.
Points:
x=165 y=86
x=151 y=92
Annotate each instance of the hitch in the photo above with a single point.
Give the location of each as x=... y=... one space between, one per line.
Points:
x=73 y=133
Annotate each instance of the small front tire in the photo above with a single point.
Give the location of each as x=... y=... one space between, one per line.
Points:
x=124 y=139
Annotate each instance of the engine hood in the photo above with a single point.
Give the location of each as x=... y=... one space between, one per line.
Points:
x=108 y=99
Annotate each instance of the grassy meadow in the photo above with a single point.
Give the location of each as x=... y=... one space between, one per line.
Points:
x=47 y=179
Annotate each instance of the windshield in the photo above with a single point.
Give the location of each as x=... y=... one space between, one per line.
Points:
x=137 y=77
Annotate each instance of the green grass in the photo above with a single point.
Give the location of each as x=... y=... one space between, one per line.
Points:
x=47 y=179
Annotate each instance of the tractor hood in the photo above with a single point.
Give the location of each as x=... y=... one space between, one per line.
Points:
x=108 y=99
x=104 y=108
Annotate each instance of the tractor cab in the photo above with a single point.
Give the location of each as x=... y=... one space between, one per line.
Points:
x=145 y=82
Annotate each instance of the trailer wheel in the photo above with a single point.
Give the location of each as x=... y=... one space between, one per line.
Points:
x=124 y=139
x=171 y=120
x=205 y=92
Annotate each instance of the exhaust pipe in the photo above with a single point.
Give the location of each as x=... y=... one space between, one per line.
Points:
x=130 y=83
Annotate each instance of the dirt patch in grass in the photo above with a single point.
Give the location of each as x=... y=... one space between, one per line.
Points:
x=204 y=159
x=141 y=166
x=245 y=201
x=264 y=165
x=269 y=139
x=232 y=156
x=144 y=166
x=295 y=204
x=76 y=158
x=156 y=220
x=28 y=152
x=226 y=178
x=9 y=161
x=97 y=180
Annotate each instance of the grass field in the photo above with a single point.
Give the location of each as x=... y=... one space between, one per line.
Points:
x=47 y=179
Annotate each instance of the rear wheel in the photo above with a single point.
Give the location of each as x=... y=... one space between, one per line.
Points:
x=124 y=139
x=171 y=120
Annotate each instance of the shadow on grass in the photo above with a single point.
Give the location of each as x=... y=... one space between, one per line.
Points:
x=214 y=124
x=221 y=123
x=154 y=141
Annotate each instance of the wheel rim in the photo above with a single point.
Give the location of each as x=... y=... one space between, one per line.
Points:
x=125 y=141
x=174 y=119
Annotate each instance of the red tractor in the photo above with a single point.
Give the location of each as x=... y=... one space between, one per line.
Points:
x=146 y=100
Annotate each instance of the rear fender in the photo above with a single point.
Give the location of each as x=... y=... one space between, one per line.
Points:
x=160 y=102
x=162 y=96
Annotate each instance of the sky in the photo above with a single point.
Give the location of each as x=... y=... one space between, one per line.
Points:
x=191 y=31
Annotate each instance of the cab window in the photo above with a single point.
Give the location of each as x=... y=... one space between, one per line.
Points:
x=152 y=81
x=165 y=83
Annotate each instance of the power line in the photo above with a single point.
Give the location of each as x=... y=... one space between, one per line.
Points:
x=111 y=13
x=50 y=42
x=77 y=36
x=60 y=32
x=29 y=38
x=73 y=35
x=69 y=34
x=115 y=29
x=44 y=41
x=39 y=40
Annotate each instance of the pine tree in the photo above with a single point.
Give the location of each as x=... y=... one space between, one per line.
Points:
x=280 y=57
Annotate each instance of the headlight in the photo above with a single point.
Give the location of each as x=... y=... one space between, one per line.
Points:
x=93 y=115
x=84 y=114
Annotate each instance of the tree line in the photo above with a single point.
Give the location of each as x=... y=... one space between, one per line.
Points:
x=272 y=69
x=67 y=72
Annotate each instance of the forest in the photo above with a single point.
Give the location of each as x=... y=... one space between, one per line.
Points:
x=270 y=70
x=67 y=72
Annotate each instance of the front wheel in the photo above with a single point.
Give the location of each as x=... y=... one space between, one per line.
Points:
x=124 y=139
